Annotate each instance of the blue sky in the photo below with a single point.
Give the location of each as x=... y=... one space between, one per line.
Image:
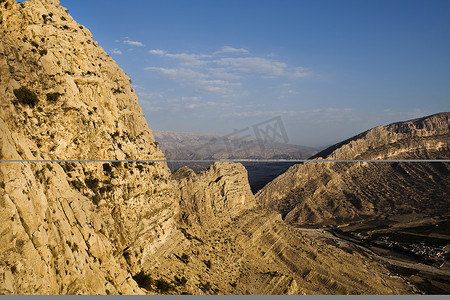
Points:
x=330 y=69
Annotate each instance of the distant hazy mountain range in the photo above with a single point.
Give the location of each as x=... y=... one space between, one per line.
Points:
x=191 y=146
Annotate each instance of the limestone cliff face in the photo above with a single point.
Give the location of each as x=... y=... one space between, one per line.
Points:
x=214 y=196
x=323 y=193
x=65 y=226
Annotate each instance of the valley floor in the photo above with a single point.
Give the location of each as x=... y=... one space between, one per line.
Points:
x=415 y=247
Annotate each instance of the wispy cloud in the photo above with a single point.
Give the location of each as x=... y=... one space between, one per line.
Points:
x=301 y=72
x=253 y=65
x=284 y=85
x=183 y=100
x=149 y=95
x=192 y=106
x=133 y=43
x=229 y=49
x=116 y=51
x=213 y=86
x=187 y=59
x=125 y=41
x=179 y=73
x=330 y=114
x=181 y=103
x=157 y=52
x=234 y=67
x=223 y=72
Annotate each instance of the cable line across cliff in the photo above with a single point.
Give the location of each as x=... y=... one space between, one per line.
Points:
x=225 y=160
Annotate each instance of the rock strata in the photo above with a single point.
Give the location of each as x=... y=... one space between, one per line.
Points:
x=66 y=226
x=251 y=250
x=336 y=193
x=214 y=196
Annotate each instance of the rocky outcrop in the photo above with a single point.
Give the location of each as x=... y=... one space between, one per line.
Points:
x=66 y=226
x=214 y=196
x=335 y=193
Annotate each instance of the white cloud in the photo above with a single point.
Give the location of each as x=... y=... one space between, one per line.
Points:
x=178 y=74
x=154 y=109
x=157 y=52
x=301 y=72
x=321 y=115
x=187 y=59
x=218 y=104
x=192 y=106
x=190 y=99
x=179 y=104
x=250 y=114
x=223 y=73
x=185 y=56
x=183 y=100
x=336 y=110
x=149 y=95
x=116 y=51
x=213 y=86
x=228 y=49
x=219 y=75
x=285 y=85
x=133 y=43
x=234 y=67
x=254 y=65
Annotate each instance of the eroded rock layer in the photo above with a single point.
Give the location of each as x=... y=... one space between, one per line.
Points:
x=338 y=192
x=250 y=250
x=65 y=225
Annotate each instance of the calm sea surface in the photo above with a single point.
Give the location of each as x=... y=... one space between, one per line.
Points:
x=259 y=174
x=262 y=173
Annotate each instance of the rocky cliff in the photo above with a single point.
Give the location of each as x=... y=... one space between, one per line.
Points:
x=65 y=226
x=129 y=228
x=214 y=196
x=337 y=192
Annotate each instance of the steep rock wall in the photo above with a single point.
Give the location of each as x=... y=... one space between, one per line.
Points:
x=214 y=196
x=66 y=226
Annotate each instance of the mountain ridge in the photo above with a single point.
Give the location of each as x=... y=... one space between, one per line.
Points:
x=341 y=189
x=407 y=126
x=186 y=145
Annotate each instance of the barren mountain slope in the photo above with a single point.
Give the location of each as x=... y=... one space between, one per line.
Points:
x=234 y=246
x=64 y=226
x=337 y=192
